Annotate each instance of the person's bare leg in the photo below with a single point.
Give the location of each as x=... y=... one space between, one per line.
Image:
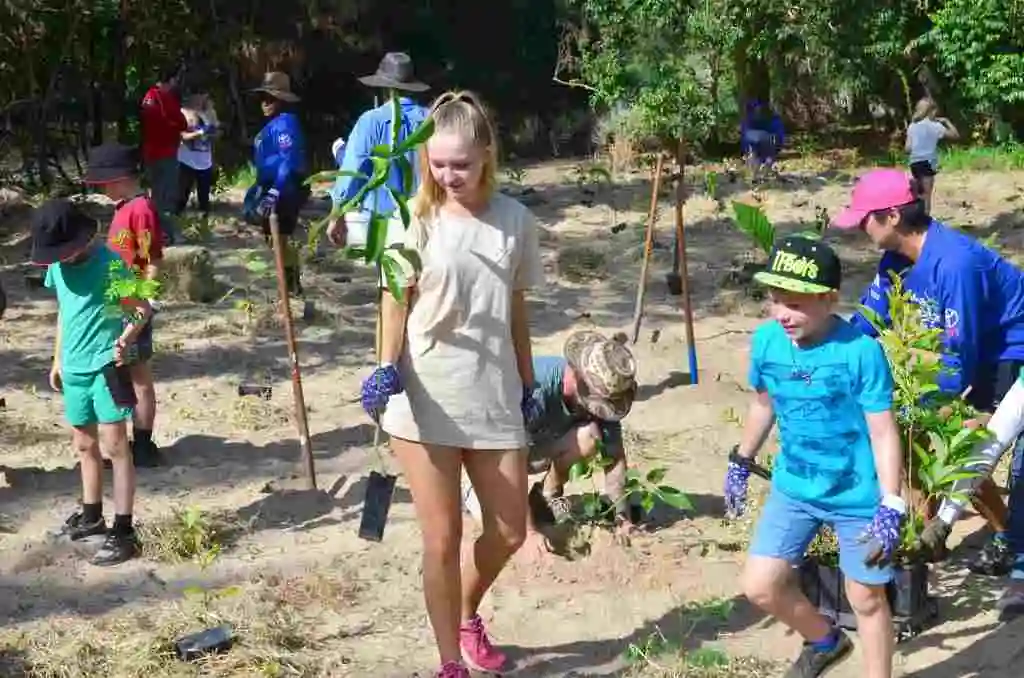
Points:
x=433 y=473
x=114 y=441
x=87 y=446
x=989 y=503
x=927 y=185
x=770 y=584
x=874 y=626
x=145 y=392
x=501 y=483
x=580 y=443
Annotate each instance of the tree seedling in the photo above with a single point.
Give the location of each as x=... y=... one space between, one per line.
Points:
x=195 y=537
x=396 y=263
x=643 y=490
x=938 y=448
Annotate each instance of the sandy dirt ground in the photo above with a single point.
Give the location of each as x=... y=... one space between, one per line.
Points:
x=308 y=597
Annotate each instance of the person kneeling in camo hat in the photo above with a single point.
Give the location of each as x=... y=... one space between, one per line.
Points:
x=580 y=399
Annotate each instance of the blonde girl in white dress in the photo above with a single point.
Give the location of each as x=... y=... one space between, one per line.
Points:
x=455 y=363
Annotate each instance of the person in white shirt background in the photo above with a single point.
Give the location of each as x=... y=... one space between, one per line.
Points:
x=195 y=155
x=925 y=131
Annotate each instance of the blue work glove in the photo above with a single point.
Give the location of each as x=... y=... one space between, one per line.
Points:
x=378 y=389
x=737 y=479
x=883 y=534
x=529 y=405
x=268 y=202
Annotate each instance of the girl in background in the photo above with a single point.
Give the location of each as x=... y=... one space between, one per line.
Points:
x=923 y=135
x=195 y=155
x=456 y=373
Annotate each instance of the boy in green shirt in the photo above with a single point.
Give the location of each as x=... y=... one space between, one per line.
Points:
x=88 y=367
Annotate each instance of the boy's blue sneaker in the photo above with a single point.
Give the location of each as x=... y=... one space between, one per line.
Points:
x=813 y=662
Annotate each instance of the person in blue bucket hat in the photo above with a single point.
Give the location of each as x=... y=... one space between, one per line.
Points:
x=281 y=170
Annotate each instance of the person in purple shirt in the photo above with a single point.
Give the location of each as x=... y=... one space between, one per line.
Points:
x=969 y=291
x=373 y=128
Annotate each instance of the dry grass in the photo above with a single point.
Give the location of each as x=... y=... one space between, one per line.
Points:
x=284 y=626
x=580 y=263
x=706 y=665
x=17 y=431
x=252 y=413
x=187 y=534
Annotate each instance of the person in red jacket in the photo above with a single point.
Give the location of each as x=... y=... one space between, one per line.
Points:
x=135 y=234
x=162 y=126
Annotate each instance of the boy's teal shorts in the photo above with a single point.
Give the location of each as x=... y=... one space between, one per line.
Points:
x=87 y=400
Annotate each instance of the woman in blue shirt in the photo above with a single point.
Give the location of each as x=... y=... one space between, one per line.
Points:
x=962 y=287
x=281 y=169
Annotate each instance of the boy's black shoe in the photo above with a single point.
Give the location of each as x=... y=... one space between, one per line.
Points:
x=118 y=547
x=146 y=454
x=811 y=663
x=76 y=528
x=995 y=560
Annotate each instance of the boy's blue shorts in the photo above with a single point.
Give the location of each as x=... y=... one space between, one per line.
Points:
x=787 y=526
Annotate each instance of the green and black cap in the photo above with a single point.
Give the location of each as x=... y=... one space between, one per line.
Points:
x=803 y=265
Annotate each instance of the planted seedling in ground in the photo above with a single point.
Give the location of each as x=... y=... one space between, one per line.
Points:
x=256 y=298
x=642 y=491
x=665 y=652
x=192 y=535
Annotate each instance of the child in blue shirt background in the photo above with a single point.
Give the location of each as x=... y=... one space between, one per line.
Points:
x=829 y=389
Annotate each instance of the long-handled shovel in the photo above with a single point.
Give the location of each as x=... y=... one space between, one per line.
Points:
x=289 y=330
x=380 y=487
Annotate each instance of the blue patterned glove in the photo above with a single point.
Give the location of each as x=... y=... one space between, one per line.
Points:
x=737 y=478
x=529 y=405
x=378 y=389
x=883 y=534
x=268 y=202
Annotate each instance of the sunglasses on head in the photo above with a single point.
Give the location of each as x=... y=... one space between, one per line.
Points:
x=452 y=97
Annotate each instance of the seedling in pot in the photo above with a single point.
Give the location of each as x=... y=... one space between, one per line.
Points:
x=394 y=264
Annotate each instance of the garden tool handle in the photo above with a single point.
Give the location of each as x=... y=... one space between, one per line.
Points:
x=750 y=465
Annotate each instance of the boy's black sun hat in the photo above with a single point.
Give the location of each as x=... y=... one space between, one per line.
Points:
x=803 y=265
x=60 y=230
x=111 y=162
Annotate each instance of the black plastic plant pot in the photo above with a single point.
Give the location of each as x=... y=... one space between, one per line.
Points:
x=262 y=390
x=215 y=640
x=308 y=311
x=675 y=283
x=912 y=607
x=380 y=489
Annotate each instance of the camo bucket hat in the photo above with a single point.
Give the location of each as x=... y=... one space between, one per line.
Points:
x=607 y=374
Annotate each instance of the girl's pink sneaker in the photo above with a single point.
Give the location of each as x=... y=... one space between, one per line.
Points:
x=477 y=650
x=453 y=670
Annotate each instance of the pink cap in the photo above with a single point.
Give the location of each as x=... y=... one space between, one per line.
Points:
x=877 y=190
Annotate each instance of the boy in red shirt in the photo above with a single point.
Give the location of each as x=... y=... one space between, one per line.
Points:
x=162 y=126
x=136 y=235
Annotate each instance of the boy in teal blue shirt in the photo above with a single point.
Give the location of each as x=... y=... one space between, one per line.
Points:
x=829 y=388
x=88 y=367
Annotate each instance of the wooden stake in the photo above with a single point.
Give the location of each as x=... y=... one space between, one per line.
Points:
x=681 y=255
x=652 y=217
x=289 y=331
